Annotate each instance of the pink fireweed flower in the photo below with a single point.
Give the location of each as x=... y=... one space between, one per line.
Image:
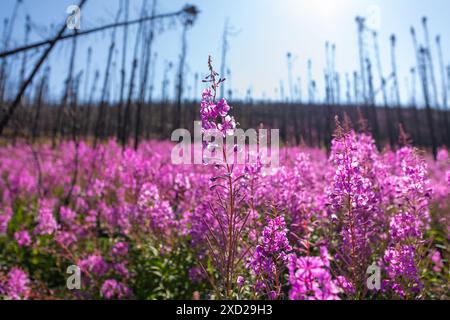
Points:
x=437 y=261
x=23 y=238
x=94 y=264
x=65 y=238
x=345 y=285
x=404 y=225
x=310 y=279
x=411 y=193
x=215 y=116
x=196 y=274
x=273 y=247
x=17 y=285
x=122 y=270
x=401 y=269
x=153 y=212
x=222 y=108
x=67 y=215
x=228 y=124
x=47 y=224
x=112 y=289
x=5 y=216
x=120 y=250
x=448 y=177
x=354 y=204
x=240 y=281
x=271 y=253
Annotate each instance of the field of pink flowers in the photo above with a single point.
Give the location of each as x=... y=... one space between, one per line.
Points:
x=140 y=227
x=356 y=223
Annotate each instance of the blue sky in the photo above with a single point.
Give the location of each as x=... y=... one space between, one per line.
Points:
x=266 y=31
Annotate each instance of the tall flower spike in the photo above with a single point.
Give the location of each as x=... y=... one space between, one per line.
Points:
x=214 y=115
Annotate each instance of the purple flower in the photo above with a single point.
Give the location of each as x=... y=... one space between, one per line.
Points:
x=310 y=279
x=122 y=270
x=345 y=285
x=355 y=206
x=23 y=238
x=196 y=274
x=240 y=281
x=271 y=253
x=403 y=226
x=67 y=215
x=5 y=216
x=410 y=192
x=47 y=224
x=228 y=125
x=120 y=249
x=272 y=249
x=94 y=264
x=65 y=238
x=401 y=269
x=437 y=261
x=154 y=213
x=111 y=289
x=222 y=108
x=17 y=285
x=215 y=116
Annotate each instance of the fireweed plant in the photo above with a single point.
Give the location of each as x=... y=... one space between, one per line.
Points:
x=141 y=227
x=226 y=218
x=355 y=211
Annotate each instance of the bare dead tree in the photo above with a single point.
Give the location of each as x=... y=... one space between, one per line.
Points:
x=146 y=70
x=328 y=75
x=299 y=92
x=25 y=55
x=413 y=86
x=310 y=83
x=123 y=71
x=127 y=111
x=290 y=61
x=348 y=89
x=423 y=70
x=445 y=120
x=371 y=98
x=394 y=74
x=396 y=88
x=10 y=111
x=149 y=103
x=196 y=86
x=75 y=137
x=39 y=102
x=337 y=86
x=360 y=21
x=429 y=60
x=442 y=69
x=87 y=72
x=418 y=136
x=59 y=126
x=225 y=47
x=9 y=27
x=2 y=75
x=448 y=77
x=186 y=11
x=379 y=67
x=187 y=22
x=448 y=84
x=88 y=111
x=164 y=99
x=332 y=74
x=100 y=122
x=356 y=92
